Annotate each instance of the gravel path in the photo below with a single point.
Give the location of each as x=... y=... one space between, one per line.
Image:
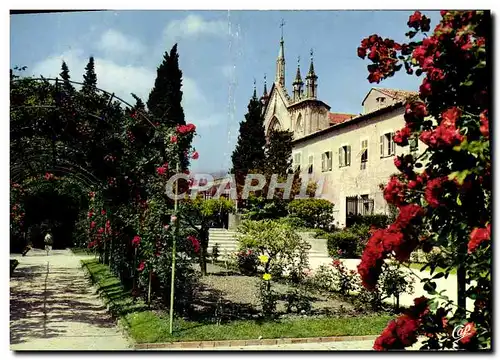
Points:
x=53 y=307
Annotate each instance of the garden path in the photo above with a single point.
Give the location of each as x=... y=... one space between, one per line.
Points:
x=52 y=306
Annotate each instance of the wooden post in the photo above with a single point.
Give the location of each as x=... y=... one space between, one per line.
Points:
x=461 y=276
x=149 y=287
x=172 y=285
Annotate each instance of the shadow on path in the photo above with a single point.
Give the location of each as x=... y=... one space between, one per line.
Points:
x=50 y=298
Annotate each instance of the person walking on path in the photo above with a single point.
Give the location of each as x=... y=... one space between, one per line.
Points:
x=48 y=242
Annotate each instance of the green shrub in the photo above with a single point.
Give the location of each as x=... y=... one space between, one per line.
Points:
x=349 y=242
x=293 y=221
x=343 y=244
x=316 y=213
x=247 y=262
x=377 y=220
x=286 y=249
x=298 y=300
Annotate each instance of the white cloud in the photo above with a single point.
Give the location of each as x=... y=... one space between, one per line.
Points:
x=125 y=79
x=114 y=42
x=192 y=26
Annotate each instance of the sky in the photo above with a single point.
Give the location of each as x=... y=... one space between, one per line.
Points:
x=220 y=55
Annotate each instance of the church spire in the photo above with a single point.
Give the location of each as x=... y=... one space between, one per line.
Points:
x=280 y=62
x=265 y=86
x=311 y=80
x=298 y=83
x=265 y=95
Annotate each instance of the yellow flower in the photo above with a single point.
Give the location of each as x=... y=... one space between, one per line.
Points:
x=266 y=277
x=263 y=259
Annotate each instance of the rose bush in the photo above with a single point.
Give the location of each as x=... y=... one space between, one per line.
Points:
x=444 y=195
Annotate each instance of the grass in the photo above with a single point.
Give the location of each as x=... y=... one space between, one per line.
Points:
x=81 y=251
x=151 y=328
x=145 y=326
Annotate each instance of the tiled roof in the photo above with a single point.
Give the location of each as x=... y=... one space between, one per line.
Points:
x=338 y=118
x=396 y=94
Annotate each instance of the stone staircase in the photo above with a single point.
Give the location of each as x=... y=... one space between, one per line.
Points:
x=228 y=244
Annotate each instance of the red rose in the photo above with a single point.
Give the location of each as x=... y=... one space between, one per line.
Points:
x=195 y=155
x=173 y=139
x=194 y=242
x=136 y=241
x=361 y=52
x=161 y=170
x=141 y=266
x=92 y=224
x=415 y=19
x=485 y=126
x=103 y=212
x=478 y=236
x=100 y=230
x=425 y=88
x=450 y=117
x=469 y=331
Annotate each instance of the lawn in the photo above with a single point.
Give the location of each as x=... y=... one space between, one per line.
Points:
x=81 y=251
x=146 y=326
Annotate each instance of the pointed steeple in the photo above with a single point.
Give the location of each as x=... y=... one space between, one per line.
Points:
x=280 y=62
x=311 y=80
x=265 y=86
x=297 y=83
x=254 y=89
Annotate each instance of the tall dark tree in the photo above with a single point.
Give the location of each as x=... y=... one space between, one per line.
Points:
x=249 y=154
x=279 y=152
x=164 y=101
x=89 y=78
x=139 y=104
x=67 y=86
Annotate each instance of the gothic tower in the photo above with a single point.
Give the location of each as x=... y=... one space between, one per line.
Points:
x=280 y=62
x=297 y=84
x=311 y=81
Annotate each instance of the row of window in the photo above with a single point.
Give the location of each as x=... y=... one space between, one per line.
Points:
x=387 y=148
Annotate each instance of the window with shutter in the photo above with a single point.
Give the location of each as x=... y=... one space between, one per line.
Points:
x=345 y=156
x=364 y=154
x=329 y=161
x=392 y=144
x=323 y=162
x=382 y=146
x=311 y=162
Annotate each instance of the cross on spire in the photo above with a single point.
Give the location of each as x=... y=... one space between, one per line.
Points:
x=282 y=24
x=312 y=53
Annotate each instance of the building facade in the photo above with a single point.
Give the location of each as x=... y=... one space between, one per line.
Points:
x=348 y=155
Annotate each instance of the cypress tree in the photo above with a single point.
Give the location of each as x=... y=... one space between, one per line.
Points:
x=249 y=152
x=279 y=152
x=67 y=86
x=139 y=104
x=164 y=101
x=89 y=78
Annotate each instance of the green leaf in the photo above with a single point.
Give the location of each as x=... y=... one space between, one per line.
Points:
x=481 y=65
x=459 y=176
x=467 y=83
x=438 y=275
x=430 y=287
x=459 y=202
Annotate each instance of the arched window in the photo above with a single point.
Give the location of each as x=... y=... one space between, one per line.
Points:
x=299 y=125
x=274 y=125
